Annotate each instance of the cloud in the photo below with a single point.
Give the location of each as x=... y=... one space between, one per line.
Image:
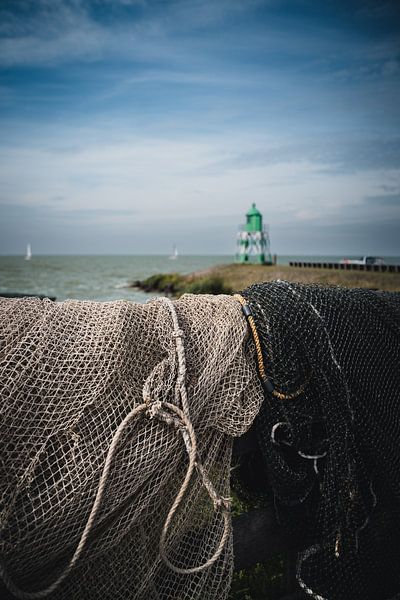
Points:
x=49 y=33
x=387 y=200
x=174 y=116
x=44 y=33
x=211 y=234
x=338 y=155
x=387 y=9
x=338 y=239
x=200 y=14
x=80 y=178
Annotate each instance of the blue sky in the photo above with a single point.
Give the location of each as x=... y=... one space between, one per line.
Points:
x=128 y=125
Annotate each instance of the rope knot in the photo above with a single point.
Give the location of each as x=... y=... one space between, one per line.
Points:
x=222 y=504
x=155 y=409
x=147 y=399
x=178 y=333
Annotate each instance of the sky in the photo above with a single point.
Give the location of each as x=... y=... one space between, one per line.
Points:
x=129 y=125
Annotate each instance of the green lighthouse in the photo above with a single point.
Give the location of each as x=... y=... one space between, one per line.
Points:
x=253 y=239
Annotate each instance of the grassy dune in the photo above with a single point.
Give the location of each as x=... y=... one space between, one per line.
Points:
x=230 y=278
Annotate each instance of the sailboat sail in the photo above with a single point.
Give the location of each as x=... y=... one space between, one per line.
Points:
x=28 y=254
x=174 y=254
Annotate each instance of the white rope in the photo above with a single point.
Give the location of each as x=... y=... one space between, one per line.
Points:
x=219 y=503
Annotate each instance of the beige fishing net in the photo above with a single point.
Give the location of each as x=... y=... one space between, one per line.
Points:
x=116 y=433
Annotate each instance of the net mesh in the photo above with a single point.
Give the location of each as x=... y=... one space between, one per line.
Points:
x=329 y=433
x=70 y=374
x=75 y=375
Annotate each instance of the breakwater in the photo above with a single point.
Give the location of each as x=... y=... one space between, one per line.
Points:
x=346 y=266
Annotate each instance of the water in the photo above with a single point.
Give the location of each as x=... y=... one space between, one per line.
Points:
x=106 y=277
x=92 y=277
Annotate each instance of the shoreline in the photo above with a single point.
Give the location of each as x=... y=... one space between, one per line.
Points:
x=230 y=278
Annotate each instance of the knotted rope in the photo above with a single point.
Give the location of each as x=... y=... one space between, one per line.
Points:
x=171 y=415
x=190 y=443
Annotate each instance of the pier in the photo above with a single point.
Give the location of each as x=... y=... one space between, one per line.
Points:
x=346 y=266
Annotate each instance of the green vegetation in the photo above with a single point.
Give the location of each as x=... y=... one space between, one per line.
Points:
x=168 y=283
x=208 y=285
x=239 y=276
x=175 y=284
x=264 y=581
x=225 y=279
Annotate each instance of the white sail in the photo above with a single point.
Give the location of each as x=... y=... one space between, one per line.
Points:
x=174 y=254
x=28 y=254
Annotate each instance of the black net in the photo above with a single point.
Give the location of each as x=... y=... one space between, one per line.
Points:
x=330 y=432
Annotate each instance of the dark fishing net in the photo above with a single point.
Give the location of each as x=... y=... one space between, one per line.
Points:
x=330 y=432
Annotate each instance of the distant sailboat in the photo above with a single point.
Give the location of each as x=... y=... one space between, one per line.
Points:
x=174 y=254
x=28 y=254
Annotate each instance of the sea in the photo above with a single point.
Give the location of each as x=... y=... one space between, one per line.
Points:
x=105 y=278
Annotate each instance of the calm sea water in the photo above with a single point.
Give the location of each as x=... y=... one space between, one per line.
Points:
x=105 y=277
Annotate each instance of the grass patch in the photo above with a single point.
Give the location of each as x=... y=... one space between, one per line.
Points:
x=226 y=279
x=175 y=284
x=208 y=285
x=239 y=276
x=167 y=283
x=264 y=581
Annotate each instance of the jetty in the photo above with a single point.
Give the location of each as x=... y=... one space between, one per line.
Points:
x=347 y=266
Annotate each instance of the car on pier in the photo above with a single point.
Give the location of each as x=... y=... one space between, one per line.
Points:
x=363 y=260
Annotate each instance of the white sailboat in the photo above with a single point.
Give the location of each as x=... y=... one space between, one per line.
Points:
x=174 y=254
x=28 y=254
